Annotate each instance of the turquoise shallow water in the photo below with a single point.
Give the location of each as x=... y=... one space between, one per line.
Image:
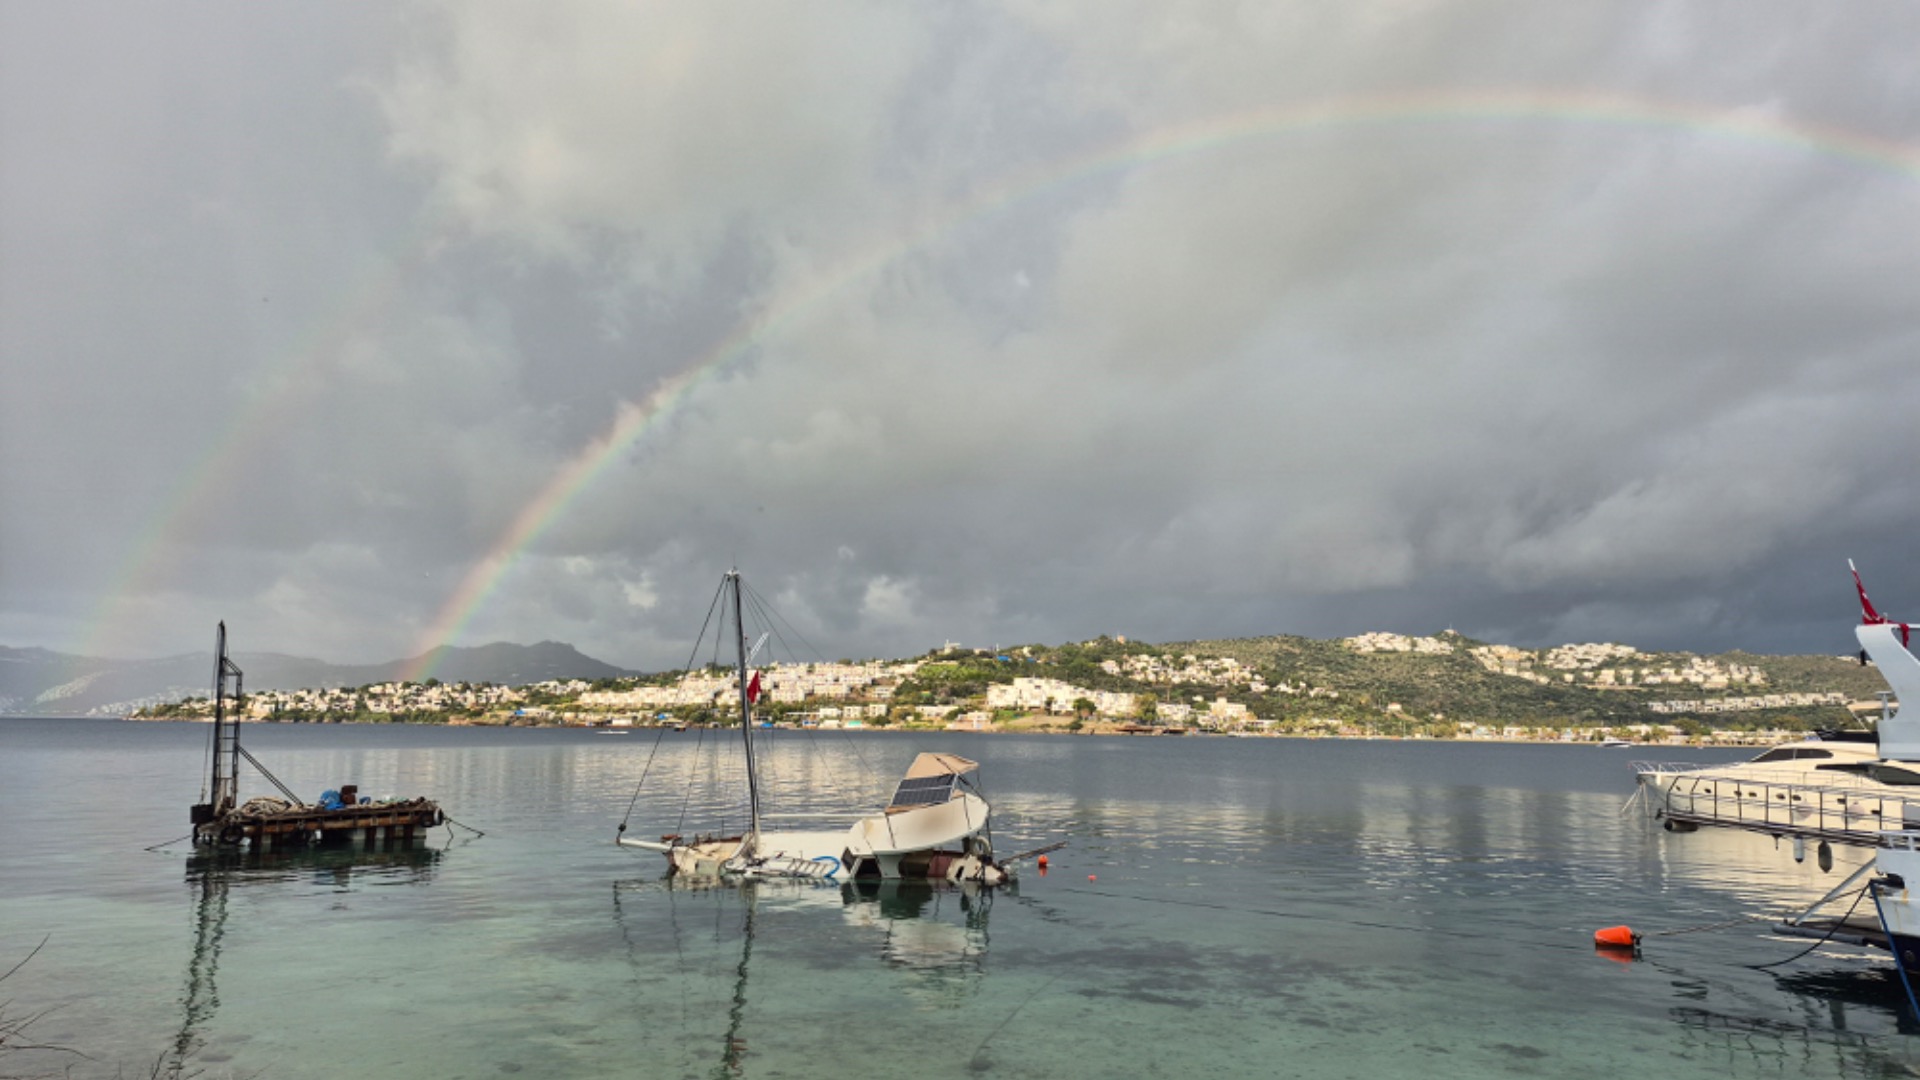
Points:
x=1262 y=908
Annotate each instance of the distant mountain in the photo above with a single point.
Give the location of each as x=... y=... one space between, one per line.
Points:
x=38 y=682
x=502 y=663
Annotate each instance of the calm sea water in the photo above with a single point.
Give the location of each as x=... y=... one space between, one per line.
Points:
x=1226 y=907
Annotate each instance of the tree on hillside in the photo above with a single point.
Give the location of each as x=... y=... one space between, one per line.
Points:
x=1082 y=708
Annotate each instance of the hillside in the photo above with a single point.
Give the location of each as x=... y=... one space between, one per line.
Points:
x=38 y=682
x=1476 y=681
x=1374 y=682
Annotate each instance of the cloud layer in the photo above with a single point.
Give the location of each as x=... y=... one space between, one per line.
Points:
x=975 y=324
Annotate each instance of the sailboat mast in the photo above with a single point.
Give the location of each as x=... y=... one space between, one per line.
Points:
x=746 y=714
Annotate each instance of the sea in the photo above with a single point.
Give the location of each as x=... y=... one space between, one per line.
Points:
x=1223 y=907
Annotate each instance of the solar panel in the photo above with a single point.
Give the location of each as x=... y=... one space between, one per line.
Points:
x=924 y=790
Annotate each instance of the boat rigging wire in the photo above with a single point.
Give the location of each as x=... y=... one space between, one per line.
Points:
x=711 y=608
x=660 y=734
x=699 y=742
x=765 y=613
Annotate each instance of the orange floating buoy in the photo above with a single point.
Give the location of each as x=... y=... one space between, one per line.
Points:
x=1093 y=877
x=1616 y=937
x=1043 y=862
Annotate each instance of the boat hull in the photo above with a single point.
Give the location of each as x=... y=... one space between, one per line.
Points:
x=1899 y=909
x=941 y=842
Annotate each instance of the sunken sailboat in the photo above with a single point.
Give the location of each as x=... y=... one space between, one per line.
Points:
x=933 y=828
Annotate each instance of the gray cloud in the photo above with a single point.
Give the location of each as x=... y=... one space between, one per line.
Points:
x=1558 y=325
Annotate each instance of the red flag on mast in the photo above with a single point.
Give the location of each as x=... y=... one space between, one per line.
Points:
x=1867 y=614
x=1871 y=617
x=753 y=688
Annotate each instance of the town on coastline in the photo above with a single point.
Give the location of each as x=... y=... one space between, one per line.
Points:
x=1370 y=686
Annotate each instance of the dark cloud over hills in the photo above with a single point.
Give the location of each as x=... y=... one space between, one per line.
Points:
x=380 y=327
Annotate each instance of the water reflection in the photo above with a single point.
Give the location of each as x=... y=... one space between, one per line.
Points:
x=212 y=874
x=938 y=931
x=1792 y=1048
x=1753 y=870
x=1843 y=998
x=932 y=937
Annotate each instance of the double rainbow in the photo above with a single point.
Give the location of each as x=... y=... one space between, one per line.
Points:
x=633 y=421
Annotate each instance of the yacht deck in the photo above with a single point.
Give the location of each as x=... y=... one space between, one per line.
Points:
x=1841 y=809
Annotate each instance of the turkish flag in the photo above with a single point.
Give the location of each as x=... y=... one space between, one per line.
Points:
x=753 y=688
x=1867 y=613
x=1871 y=617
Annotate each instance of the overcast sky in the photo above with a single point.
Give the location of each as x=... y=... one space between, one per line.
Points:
x=362 y=326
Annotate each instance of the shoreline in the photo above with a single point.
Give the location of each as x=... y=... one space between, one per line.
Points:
x=1770 y=738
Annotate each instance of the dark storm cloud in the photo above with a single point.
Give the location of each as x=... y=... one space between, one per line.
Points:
x=1629 y=358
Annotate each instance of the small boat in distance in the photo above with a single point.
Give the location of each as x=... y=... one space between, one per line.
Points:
x=933 y=828
x=1615 y=744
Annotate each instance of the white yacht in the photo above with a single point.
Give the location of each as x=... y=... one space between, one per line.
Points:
x=1841 y=760
x=1898 y=857
x=1832 y=791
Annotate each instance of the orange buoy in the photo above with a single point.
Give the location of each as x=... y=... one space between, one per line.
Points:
x=1043 y=862
x=1093 y=877
x=1616 y=937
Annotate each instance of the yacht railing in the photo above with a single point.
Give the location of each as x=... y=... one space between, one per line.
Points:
x=1843 y=809
x=1660 y=772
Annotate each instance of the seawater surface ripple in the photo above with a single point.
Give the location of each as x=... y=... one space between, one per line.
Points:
x=1225 y=907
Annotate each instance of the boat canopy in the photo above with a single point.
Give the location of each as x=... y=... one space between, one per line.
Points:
x=930 y=781
x=939 y=764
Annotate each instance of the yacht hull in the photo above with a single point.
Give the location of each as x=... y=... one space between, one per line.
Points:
x=1893 y=894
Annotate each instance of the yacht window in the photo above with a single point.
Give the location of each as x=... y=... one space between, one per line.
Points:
x=1784 y=753
x=1809 y=752
x=1894 y=774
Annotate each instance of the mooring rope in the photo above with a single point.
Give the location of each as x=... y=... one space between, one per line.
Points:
x=1310 y=917
x=1824 y=938
x=449 y=820
x=974 y=1062
x=1708 y=926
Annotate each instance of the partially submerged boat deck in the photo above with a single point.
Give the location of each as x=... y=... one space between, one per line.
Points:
x=270 y=822
x=281 y=824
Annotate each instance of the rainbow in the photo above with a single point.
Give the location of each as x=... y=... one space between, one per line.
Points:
x=632 y=421
x=192 y=502
x=575 y=476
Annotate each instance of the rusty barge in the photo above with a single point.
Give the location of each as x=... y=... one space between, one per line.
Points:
x=271 y=822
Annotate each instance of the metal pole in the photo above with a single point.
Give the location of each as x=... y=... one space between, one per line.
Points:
x=746 y=717
x=224 y=739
